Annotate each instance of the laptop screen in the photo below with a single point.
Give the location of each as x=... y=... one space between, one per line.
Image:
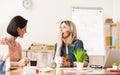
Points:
x=111 y=57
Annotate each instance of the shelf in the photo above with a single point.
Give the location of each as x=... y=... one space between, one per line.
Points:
x=111 y=46
x=116 y=46
x=111 y=24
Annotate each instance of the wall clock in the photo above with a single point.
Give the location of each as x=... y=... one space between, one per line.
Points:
x=27 y=4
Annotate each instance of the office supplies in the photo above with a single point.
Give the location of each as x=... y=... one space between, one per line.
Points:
x=111 y=57
x=29 y=70
x=2 y=67
x=46 y=70
x=4 y=59
x=96 y=66
x=114 y=70
x=108 y=40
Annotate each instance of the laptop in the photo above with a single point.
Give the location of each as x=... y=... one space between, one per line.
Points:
x=111 y=57
x=4 y=51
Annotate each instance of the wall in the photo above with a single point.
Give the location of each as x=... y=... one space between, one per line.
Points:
x=116 y=10
x=44 y=17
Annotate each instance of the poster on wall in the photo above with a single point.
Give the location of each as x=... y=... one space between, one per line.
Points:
x=90 y=28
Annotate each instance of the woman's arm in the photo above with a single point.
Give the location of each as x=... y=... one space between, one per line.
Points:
x=59 y=45
x=21 y=63
x=58 y=51
x=14 y=64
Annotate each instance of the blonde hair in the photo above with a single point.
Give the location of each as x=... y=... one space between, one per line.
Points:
x=73 y=31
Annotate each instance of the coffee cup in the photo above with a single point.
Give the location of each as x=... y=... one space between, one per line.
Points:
x=33 y=62
x=58 y=61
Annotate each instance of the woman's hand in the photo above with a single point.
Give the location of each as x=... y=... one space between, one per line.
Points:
x=23 y=62
x=65 y=63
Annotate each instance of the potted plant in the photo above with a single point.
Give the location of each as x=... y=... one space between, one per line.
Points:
x=115 y=65
x=80 y=54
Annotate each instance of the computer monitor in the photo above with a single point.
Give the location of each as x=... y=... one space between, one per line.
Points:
x=111 y=57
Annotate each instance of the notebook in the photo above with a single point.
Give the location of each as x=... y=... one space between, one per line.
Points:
x=4 y=51
x=111 y=57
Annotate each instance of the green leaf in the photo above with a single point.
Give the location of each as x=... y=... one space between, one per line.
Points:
x=80 y=54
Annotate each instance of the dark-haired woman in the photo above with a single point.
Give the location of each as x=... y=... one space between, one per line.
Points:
x=16 y=28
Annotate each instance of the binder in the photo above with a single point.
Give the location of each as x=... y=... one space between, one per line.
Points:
x=108 y=40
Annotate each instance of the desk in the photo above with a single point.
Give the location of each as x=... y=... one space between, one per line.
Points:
x=19 y=71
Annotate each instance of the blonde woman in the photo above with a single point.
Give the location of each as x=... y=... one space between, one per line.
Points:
x=67 y=43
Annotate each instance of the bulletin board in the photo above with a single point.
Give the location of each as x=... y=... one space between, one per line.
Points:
x=90 y=28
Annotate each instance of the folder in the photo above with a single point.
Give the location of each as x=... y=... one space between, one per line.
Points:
x=108 y=40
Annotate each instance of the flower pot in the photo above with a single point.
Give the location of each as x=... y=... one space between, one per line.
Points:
x=79 y=66
x=115 y=67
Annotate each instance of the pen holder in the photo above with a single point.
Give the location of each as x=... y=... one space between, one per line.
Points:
x=2 y=67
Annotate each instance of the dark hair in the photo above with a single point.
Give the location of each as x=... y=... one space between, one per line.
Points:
x=17 y=21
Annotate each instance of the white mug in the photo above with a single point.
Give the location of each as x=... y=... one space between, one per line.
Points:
x=58 y=60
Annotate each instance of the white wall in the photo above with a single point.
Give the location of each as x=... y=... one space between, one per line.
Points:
x=44 y=17
x=116 y=10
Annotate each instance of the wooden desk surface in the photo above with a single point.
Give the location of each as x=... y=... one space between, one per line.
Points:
x=19 y=71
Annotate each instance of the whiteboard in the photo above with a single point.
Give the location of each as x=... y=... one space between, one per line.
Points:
x=90 y=29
